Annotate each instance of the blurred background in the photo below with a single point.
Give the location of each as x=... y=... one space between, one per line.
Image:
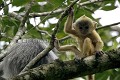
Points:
x=45 y=14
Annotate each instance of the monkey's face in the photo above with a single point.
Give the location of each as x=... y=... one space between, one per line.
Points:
x=84 y=27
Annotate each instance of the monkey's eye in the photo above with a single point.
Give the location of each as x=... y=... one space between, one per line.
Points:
x=86 y=27
x=80 y=27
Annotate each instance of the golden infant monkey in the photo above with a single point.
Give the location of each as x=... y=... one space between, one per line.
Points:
x=83 y=30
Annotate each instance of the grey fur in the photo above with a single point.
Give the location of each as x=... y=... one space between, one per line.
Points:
x=21 y=54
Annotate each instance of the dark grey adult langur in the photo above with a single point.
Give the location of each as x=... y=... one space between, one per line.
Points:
x=21 y=54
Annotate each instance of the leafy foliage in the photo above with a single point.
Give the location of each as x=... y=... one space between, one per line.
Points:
x=9 y=25
x=19 y=2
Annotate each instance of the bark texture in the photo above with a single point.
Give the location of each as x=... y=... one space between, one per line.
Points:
x=62 y=70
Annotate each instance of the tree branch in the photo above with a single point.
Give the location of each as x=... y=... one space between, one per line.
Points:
x=46 y=13
x=59 y=10
x=16 y=16
x=59 y=70
x=89 y=2
x=102 y=27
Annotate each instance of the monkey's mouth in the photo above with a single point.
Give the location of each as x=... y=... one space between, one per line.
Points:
x=84 y=33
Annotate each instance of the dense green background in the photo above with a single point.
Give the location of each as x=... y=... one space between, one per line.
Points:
x=10 y=25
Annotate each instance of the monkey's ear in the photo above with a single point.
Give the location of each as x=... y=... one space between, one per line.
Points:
x=95 y=24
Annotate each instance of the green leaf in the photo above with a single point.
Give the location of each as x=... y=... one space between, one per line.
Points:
x=51 y=5
x=107 y=8
x=40 y=0
x=93 y=6
x=9 y=31
x=33 y=33
x=109 y=1
x=5 y=39
x=20 y=2
x=82 y=12
x=102 y=76
x=15 y=22
x=36 y=8
x=10 y=22
x=5 y=9
x=47 y=7
x=114 y=75
x=15 y=29
x=83 y=1
x=21 y=9
x=1 y=2
x=9 y=26
x=56 y=2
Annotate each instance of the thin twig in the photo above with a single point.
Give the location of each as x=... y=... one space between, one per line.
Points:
x=89 y=2
x=46 y=13
x=15 y=15
x=106 y=26
x=42 y=31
